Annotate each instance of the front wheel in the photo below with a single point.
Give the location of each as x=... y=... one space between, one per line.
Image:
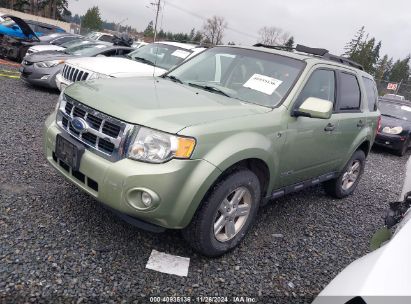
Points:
x=403 y=150
x=225 y=215
x=345 y=184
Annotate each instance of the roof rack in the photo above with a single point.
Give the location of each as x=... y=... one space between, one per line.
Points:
x=324 y=53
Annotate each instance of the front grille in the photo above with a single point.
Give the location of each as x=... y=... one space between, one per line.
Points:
x=74 y=74
x=104 y=134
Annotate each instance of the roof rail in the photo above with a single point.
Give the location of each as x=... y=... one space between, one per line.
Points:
x=324 y=53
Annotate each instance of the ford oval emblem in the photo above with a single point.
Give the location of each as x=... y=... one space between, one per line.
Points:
x=79 y=124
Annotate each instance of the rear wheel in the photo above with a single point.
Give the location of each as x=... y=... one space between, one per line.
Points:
x=226 y=214
x=348 y=180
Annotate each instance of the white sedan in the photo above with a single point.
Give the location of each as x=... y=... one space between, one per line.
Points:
x=149 y=60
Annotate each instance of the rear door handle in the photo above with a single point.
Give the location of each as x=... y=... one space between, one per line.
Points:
x=329 y=127
x=360 y=124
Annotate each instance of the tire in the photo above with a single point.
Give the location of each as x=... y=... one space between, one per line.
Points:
x=404 y=148
x=201 y=234
x=336 y=187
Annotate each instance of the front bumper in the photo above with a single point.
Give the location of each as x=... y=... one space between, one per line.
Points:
x=179 y=184
x=61 y=82
x=394 y=142
x=45 y=77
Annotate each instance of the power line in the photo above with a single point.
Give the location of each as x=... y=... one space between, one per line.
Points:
x=204 y=19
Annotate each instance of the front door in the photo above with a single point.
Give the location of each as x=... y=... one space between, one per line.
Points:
x=310 y=145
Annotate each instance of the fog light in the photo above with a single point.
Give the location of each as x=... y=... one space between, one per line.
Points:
x=45 y=77
x=146 y=199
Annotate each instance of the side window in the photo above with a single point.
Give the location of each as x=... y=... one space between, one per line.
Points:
x=372 y=95
x=350 y=95
x=106 y=38
x=109 y=53
x=321 y=84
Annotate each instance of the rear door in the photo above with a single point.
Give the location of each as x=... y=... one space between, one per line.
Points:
x=349 y=111
x=309 y=150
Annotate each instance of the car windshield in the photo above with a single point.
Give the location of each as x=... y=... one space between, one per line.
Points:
x=252 y=76
x=164 y=56
x=395 y=110
x=85 y=50
x=393 y=96
x=73 y=43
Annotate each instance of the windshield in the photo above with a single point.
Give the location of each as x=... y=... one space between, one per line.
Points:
x=393 y=96
x=395 y=110
x=251 y=76
x=73 y=43
x=161 y=55
x=85 y=50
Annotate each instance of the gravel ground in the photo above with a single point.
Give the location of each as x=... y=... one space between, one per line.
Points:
x=59 y=244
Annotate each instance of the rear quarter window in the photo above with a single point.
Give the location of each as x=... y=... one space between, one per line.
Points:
x=349 y=91
x=372 y=95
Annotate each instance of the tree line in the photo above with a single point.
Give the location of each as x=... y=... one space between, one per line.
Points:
x=366 y=51
x=54 y=9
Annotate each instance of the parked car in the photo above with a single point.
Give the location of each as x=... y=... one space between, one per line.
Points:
x=65 y=45
x=52 y=42
x=384 y=275
x=41 y=68
x=14 y=44
x=9 y=27
x=153 y=59
x=99 y=36
x=200 y=147
x=394 y=96
x=395 y=130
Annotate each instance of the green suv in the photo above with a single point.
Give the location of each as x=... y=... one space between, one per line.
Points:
x=203 y=146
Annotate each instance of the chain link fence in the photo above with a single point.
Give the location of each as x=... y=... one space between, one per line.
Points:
x=403 y=89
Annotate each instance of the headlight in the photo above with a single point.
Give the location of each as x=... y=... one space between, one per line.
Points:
x=98 y=76
x=48 y=64
x=59 y=101
x=394 y=130
x=158 y=147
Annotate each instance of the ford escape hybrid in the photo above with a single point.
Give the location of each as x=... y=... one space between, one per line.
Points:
x=201 y=147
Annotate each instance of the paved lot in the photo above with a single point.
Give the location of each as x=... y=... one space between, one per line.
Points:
x=57 y=243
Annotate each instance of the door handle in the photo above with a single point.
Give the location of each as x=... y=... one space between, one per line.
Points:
x=360 y=124
x=329 y=127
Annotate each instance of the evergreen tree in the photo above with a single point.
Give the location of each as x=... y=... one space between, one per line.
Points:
x=149 y=31
x=192 y=34
x=290 y=44
x=382 y=69
x=92 y=19
x=352 y=46
x=198 y=37
x=400 y=70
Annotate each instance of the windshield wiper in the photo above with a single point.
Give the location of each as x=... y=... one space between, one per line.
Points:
x=173 y=78
x=392 y=116
x=143 y=60
x=209 y=88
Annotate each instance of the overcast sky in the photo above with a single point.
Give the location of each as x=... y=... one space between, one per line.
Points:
x=317 y=23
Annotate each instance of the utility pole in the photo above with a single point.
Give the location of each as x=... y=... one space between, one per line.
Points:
x=155 y=25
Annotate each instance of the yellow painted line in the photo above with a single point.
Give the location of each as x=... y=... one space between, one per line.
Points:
x=10 y=72
x=9 y=76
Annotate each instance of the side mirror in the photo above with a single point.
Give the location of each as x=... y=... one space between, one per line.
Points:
x=315 y=108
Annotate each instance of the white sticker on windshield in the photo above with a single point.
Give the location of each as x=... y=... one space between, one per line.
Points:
x=180 y=53
x=264 y=84
x=406 y=108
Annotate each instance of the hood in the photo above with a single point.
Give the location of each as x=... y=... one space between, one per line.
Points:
x=46 y=47
x=383 y=272
x=158 y=103
x=48 y=56
x=387 y=121
x=25 y=28
x=117 y=66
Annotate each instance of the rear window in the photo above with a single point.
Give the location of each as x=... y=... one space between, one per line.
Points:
x=372 y=95
x=350 y=96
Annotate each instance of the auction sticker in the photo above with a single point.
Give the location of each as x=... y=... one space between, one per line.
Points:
x=263 y=84
x=406 y=108
x=180 y=53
